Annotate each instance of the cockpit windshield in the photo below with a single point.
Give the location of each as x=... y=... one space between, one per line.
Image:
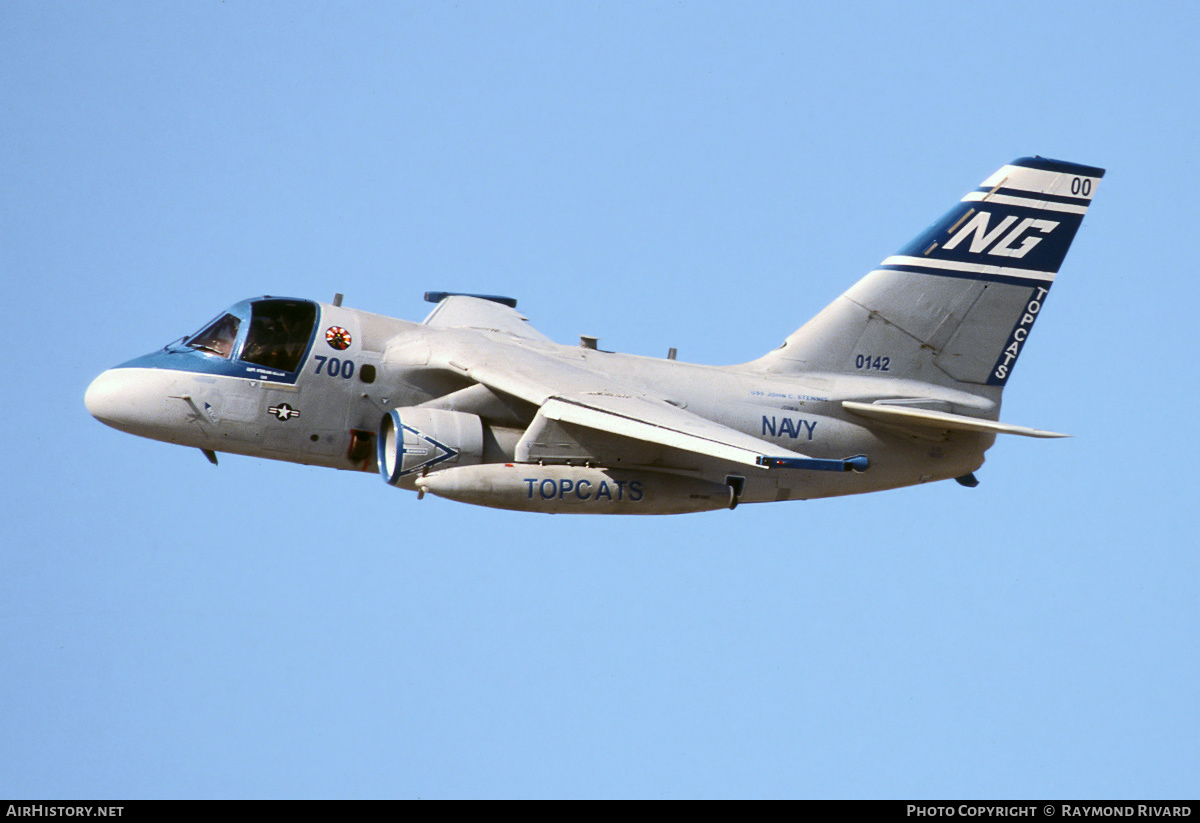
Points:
x=279 y=333
x=265 y=338
x=217 y=337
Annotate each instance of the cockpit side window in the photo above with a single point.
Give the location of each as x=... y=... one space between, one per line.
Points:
x=217 y=337
x=279 y=333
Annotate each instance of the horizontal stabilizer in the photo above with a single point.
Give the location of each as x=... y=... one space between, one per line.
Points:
x=924 y=418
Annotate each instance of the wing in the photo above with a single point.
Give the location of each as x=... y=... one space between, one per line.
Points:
x=659 y=423
x=485 y=312
x=635 y=418
x=589 y=416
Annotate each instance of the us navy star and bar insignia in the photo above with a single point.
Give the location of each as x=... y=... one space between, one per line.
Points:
x=284 y=412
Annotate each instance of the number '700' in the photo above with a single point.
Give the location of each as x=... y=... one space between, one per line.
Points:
x=334 y=367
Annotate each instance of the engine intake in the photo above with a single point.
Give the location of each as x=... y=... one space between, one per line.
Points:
x=415 y=441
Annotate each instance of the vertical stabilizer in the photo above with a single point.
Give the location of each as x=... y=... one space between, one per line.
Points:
x=957 y=303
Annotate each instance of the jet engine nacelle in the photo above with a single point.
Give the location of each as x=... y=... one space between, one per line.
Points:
x=414 y=441
x=576 y=489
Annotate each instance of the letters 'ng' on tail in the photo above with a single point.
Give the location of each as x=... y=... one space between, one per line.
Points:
x=956 y=305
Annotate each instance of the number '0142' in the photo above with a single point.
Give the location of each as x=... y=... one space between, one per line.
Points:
x=866 y=361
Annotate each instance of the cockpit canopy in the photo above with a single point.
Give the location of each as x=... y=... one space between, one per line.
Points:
x=273 y=333
x=217 y=337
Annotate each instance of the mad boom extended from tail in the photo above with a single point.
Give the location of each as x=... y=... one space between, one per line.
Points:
x=896 y=382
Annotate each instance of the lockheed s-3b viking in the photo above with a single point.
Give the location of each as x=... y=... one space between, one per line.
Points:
x=896 y=382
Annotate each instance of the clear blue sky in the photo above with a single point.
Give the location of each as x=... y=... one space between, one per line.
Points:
x=704 y=176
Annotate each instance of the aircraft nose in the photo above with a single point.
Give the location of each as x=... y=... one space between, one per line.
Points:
x=107 y=398
x=136 y=400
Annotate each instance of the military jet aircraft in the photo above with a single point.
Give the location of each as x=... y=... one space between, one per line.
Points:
x=896 y=382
